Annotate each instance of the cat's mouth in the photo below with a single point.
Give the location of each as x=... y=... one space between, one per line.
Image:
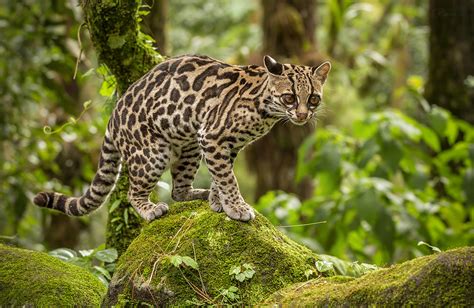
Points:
x=298 y=122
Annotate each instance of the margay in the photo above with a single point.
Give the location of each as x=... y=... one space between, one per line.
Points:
x=187 y=108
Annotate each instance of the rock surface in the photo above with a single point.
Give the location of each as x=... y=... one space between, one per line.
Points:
x=145 y=273
x=440 y=280
x=31 y=278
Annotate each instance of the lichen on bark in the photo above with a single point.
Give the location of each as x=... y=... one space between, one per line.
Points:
x=35 y=279
x=114 y=28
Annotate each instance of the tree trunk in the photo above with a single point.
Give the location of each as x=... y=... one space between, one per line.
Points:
x=288 y=33
x=115 y=33
x=155 y=24
x=452 y=57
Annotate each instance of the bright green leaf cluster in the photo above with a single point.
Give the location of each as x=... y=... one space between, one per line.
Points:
x=242 y=272
x=99 y=261
x=179 y=261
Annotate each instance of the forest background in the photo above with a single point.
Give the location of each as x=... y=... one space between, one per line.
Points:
x=389 y=165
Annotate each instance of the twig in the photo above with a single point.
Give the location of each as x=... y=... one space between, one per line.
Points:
x=169 y=243
x=80 y=49
x=302 y=225
x=200 y=292
x=199 y=272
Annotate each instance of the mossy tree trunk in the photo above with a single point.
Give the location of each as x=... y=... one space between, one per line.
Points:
x=115 y=32
x=452 y=57
x=288 y=34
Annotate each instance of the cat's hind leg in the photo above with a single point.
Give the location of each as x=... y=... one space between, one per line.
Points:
x=183 y=172
x=145 y=168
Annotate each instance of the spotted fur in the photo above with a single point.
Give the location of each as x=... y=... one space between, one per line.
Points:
x=187 y=108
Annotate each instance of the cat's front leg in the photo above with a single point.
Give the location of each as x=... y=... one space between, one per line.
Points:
x=225 y=194
x=214 y=200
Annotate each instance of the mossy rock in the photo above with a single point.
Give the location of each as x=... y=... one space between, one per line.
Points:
x=145 y=273
x=442 y=279
x=31 y=278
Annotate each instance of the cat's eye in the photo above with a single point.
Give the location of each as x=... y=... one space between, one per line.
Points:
x=314 y=100
x=288 y=99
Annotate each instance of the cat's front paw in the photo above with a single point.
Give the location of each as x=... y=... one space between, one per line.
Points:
x=239 y=211
x=154 y=211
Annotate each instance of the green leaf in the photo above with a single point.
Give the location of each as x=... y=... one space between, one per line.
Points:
x=102 y=279
x=102 y=271
x=86 y=253
x=308 y=273
x=110 y=267
x=324 y=266
x=114 y=206
x=125 y=216
x=240 y=277
x=108 y=87
x=176 y=260
x=190 y=262
x=107 y=255
x=64 y=254
x=249 y=273
x=234 y=270
x=430 y=138
x=81 y=262
x=438 y=119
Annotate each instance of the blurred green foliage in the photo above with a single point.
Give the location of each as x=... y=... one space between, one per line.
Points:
x=219 y=28
x=98 y=261
x=384 y=186
x=390 y=170
x=38 y=53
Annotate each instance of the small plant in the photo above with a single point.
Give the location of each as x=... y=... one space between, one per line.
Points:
x=242 y=272
x=99 y=261
x=230 y=295
x=179 y=261
x=324 y=266
x=308 y=273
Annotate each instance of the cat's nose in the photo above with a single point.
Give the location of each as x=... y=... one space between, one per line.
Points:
x=301 y=115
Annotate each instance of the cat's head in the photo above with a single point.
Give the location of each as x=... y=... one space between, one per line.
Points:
x=296 y=90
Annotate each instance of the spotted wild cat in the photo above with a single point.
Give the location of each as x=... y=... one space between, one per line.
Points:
x=187 y=108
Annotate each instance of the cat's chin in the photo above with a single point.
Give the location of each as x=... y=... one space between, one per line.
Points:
x=299 y=123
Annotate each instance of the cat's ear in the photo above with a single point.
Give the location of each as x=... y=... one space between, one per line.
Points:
x=272 y=66
x=321 y=72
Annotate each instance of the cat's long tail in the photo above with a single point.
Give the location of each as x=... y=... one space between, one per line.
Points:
x=101 y=185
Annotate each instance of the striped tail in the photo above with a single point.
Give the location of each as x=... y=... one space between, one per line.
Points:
x=101 y=185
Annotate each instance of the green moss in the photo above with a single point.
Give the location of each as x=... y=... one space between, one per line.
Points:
x=115 y=31
x=36 y=279
x=145 y=274
x=442 y=279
